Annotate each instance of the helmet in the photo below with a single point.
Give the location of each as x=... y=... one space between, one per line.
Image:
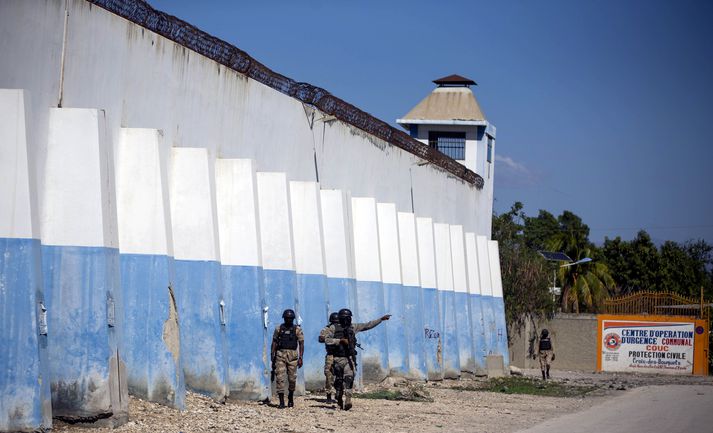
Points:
x=288 y=314
x=334 y=318
x=345 y=317
x=545 y=333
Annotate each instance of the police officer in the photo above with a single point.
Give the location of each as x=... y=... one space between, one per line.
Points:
x=546 y=353
x=285 y=357
x=329 y=357
x=342 y=336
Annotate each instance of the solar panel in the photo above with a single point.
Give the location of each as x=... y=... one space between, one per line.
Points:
x=555 y=256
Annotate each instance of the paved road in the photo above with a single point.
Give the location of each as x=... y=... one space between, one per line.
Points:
x=649 y=409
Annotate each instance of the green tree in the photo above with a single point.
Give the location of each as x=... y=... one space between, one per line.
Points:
x=524 y=272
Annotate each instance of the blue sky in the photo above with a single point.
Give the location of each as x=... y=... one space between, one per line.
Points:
x=602 y=108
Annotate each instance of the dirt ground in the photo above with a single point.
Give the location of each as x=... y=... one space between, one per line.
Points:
x=452 y=410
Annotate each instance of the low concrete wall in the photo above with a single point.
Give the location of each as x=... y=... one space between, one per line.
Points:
x=574 y=337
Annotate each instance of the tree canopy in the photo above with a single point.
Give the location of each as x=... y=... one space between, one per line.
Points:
x=617 y=267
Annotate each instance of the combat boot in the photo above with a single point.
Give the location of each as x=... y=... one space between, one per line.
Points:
x=290 y=399
x=340 y=402
x=543 y=375
x=548 y=371
x=329 y=398
x=282 y=400
x=348 y=402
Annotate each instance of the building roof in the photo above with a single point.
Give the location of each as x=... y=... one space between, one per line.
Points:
x=446 y=104
x=141 y=13
x=455 y=80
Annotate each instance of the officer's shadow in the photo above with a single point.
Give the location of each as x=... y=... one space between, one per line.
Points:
x=323 y=403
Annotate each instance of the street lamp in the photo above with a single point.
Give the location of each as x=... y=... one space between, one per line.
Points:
x=560 y=257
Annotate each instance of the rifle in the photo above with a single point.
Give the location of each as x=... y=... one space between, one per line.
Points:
x=272 y=373
x=351 y=337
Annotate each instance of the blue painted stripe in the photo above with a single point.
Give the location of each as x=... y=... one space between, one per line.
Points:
x=280 y=294
x=246 y=334
x=413 y=330
x=451 y=355
x=312 y=297
x=153 y=371
x=478 y=321
x=433 y=334
x=341 y=294
x=25 y=401
x=198 y=292
x=373 y=359
x=489 y=322
x=79 y=284
x=501 y=329
x=464 y=332
x=396 y=331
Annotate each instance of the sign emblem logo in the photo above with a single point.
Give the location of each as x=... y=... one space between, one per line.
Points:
x=612 y=341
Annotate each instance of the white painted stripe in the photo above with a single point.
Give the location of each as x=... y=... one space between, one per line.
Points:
x=79 y=204
x=142 y=203
x=486 y=288
x=495 y=275
x=273 y=197
x=236 y=195
x=389 y=243
x=471 y=251
x=444 y=260
x=367 y=265
x=193 y=211
x=18 y=196
x=426 y=252
x=307 y=227
x=409 y=249
x=460 y=276
x=337 y=229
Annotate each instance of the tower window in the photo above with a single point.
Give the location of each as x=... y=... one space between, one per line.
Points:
x=490 y=149
x=450 y=143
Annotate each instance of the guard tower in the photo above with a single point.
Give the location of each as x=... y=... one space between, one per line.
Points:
x=451 y=120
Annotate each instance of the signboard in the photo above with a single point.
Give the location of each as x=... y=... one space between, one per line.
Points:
x=647 y=346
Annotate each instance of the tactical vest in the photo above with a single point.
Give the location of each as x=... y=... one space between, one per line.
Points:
x=545 y=343
x=341 y=350
x=287 y=338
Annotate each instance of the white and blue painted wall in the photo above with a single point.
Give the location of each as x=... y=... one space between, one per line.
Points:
x=486 y=291
x=390 y=255
x=305 y=200
x=475 y=305
x=80 y=259
x=339 y=249
x=151 y=336
x=446 y=296
x=25 y=401
x=413 y=330
x=374 y=358
x=277 y=247
x=242 y=279
x=432 y=322
x=464 y=328
x=501 y=330
x=198 y=284
x=232 y=256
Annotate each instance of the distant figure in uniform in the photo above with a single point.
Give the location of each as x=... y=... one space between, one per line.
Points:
x=329 y=357
x=342 y=336
x=546 y=353
x=285 y=357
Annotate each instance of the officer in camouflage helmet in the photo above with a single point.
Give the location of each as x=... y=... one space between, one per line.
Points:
x=546 y=353
x=329 y=357
x=286 y=359
x=342 y=337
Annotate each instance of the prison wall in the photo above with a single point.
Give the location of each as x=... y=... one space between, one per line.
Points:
x=164 y=209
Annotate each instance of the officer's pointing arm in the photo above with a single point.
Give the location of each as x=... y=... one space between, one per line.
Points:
x=359 y=327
